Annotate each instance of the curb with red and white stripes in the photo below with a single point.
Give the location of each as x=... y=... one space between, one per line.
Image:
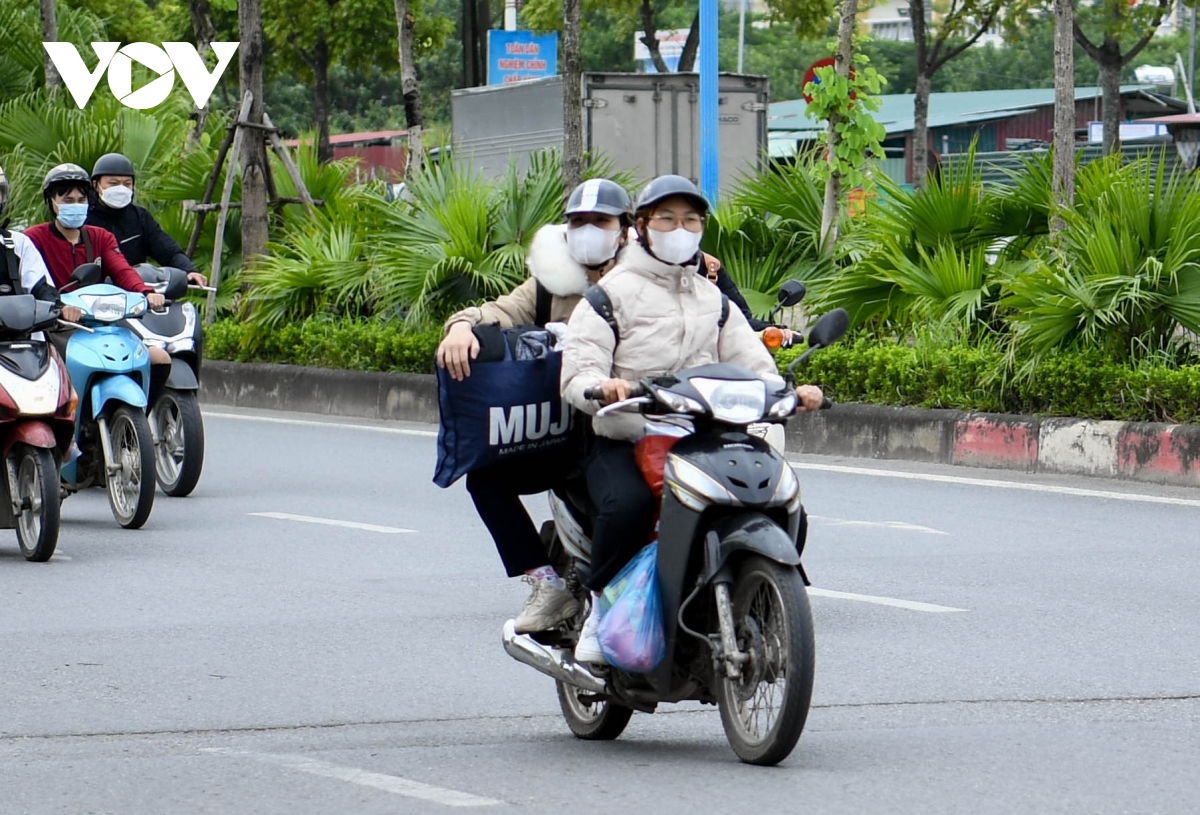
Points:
x=1160 y=453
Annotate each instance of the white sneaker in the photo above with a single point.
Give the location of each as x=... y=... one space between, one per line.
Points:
x=546 y=606
x=588 y=647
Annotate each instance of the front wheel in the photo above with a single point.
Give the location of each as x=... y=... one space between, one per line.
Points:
x=131 y=486
x=765 y=708
x=591 y=719
x=38 y=496
x=178 y=441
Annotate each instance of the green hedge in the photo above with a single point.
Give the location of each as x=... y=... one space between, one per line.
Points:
x=356 y=345
x=1082 y=384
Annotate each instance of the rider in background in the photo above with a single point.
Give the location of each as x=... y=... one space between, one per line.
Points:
x=563 y=260
x=138 y=235
x=666 y=318
x=66 y=242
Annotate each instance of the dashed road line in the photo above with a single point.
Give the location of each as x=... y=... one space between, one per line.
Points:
x=308 y=519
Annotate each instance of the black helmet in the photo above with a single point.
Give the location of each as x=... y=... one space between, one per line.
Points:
x=3 y=190
x=113 y=164
x=666 y=186
x=65 y=176
x=599 y=195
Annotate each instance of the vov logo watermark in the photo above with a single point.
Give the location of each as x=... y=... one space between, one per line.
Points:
x=171 y=59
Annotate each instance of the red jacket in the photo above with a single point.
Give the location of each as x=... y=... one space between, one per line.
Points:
x=62 y=257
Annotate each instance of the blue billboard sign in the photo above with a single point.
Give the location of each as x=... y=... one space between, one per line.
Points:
x=514 y=56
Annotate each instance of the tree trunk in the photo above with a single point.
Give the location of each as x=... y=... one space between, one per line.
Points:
x=470 y=45
x=920 y=134
x=254 y=153
x=687 y=57
x=203 y=32
x=650 y=38
x=321 y=97
x=414 y=118
x=833 y=187
x=1063 y=181
x=572 y=157
x=50 y=34
x=1110 y=95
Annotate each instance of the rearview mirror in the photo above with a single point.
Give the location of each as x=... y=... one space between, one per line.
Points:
x=87 y=274
x=829 y=329
x=791 y=293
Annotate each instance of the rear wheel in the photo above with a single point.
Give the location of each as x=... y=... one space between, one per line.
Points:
x=178 y=441
x=38 y=496
x=765 y=708
x=131 y=487
x=590 y=718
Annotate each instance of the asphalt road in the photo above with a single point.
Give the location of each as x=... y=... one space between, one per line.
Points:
x=1044 y=655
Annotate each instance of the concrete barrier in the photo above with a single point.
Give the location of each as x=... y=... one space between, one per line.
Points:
x=1159 y=453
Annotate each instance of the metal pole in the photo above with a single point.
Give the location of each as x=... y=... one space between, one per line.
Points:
x=510 y=15
x=742 y=33
x=709 y=119
x=1192 y=53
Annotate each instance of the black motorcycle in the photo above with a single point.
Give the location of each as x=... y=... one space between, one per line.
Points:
x=174 y=414
x=735 y=613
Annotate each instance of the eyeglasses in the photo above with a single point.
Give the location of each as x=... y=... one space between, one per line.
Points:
x=667 y=222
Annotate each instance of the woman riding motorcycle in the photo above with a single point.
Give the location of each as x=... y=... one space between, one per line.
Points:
x=665 y=318
x=563 y=260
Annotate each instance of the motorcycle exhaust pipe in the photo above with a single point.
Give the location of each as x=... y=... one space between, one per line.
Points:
x=549 y=661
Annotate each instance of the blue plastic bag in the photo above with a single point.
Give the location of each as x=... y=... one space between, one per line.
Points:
x=631 y=628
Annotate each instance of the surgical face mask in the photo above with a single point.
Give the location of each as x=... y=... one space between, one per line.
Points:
x=591 y=245
x=676 y=246
x=117 y=197
x=72 y=216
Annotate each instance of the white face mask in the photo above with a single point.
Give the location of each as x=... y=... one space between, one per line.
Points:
x=117 y=197
x=592 y=246
x=676 y=246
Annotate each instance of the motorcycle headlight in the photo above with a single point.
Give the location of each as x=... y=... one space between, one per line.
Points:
x=784 y=407
x=679 y=403
x=733 y=401
x=106 y=307
x=693 y=487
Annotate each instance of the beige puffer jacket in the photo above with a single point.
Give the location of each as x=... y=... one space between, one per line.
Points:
x=668 y=317
x=550 y=263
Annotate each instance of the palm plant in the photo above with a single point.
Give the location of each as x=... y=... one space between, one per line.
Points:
x=1127 y=277
x=769 y=232
x=22 y=66
x=923 y=255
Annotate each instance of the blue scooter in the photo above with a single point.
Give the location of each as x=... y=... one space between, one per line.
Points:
x=109 y=367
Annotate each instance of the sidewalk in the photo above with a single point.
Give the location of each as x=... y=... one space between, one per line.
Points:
x=1157 y=453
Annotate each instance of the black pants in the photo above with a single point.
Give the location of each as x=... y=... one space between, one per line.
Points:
x=497 y=490
x=625 y=509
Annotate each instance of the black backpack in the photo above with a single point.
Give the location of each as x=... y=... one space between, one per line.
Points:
x=10 y=274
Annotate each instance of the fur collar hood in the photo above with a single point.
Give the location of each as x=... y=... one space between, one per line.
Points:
x=551 y=264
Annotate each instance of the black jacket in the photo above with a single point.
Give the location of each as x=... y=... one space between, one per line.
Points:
x=715 y=271
x=140 y=237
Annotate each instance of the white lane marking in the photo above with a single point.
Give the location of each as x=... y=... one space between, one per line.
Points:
x=60 y=556
x=901 y=525
x=1004 y=485
x=363 y=778
x=911 y=605
x=308 y=519
x=399 y=431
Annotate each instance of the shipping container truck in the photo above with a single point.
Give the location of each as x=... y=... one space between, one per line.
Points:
x=647 y=124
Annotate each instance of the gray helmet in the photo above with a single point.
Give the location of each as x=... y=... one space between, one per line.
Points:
x=65 y=175
x=667 y=186
x=113 y=164
x=599 y=195
x=3 y=190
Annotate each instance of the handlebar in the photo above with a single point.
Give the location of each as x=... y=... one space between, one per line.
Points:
x=827 y=404
x=193 y=287
x=596 y=394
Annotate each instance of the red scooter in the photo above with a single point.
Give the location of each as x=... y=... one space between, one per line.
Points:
x=37 y=424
